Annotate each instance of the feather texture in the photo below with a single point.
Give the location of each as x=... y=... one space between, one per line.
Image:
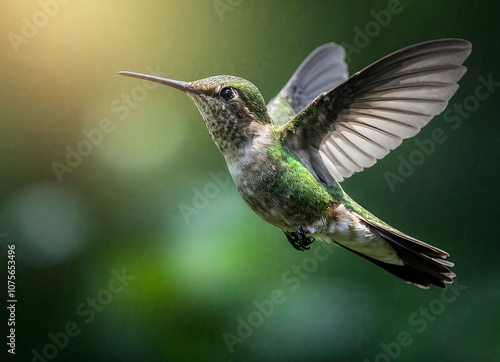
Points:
x=424 y=264
x=360 y=121
x=322 y=70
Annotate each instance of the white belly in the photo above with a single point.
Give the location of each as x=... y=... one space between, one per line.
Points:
x=352 y=232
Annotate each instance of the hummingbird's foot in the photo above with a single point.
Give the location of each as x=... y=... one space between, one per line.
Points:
x=298 y=239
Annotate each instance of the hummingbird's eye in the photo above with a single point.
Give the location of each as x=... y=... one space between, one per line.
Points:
x=227 y=93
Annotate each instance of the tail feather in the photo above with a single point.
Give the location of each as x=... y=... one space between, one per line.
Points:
x=424 y=264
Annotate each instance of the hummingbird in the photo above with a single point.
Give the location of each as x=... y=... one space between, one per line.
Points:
x=288 y=158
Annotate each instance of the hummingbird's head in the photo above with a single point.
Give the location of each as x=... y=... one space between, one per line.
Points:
x=232 y=107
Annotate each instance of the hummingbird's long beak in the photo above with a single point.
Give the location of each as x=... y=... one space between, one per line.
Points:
x=183 y=86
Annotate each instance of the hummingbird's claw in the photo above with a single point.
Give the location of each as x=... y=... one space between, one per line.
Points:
x=299 y=240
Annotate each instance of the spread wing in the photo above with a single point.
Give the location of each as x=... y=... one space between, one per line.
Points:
x=358 y=122
x=322 y=70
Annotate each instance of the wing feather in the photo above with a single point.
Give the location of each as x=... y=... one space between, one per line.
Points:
x=321 y=71
x=363 y=119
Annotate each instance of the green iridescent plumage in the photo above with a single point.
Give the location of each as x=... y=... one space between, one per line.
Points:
x=297 y=184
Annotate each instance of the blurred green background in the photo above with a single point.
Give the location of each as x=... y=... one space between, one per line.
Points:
x=202 y=277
